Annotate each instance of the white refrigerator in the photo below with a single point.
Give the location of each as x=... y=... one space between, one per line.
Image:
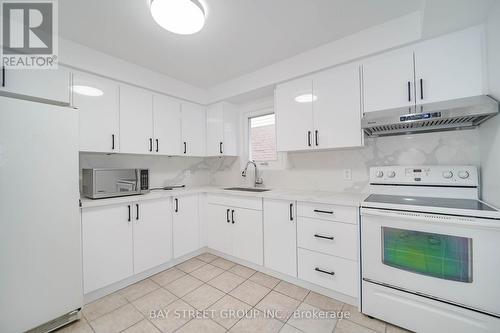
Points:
x=40 y=251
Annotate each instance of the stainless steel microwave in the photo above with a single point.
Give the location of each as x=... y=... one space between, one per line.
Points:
x=112 y=182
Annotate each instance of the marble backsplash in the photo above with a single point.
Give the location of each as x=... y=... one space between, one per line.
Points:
x=324 y=170
x=318 y=170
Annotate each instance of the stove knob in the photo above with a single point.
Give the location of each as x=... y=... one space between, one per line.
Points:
x=379 y=174
x=391 y=174
x=447 y=174
x=463 y=174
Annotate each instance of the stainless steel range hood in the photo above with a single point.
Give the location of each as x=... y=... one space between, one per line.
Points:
x=455 y=114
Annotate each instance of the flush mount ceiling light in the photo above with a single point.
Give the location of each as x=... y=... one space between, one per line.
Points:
x=87 y=91
x=306 y=98
x=184 y=17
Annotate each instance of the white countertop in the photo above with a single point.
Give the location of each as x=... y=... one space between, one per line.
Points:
x=326 y=197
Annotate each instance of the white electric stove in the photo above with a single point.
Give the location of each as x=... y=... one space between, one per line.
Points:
x=430 y=250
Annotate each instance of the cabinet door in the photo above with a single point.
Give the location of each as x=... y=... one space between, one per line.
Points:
x=247 y=234
x=186 y=233
x=388 y=80
x=231 y=131
x=152 y=233
x=280 y=236
x=99 y=115
x=450 y=67
x=337 y=111
x=107 y=246
x=219 y=229
x=294 y=121
x=52 y=85
x=167 y=125
x=136 y=120
x=193 y=130
x=215 y=129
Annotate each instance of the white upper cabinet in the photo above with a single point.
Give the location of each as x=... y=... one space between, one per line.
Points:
x=450 y=67
x=388 y=80
x=50 y=84
x=99 y=115
x=294 y=119
x=152 y=233
x=167 y=125
x=193 y=129
x=337 y=110
x=440 y=69
x=222 y=130
x=136 y=120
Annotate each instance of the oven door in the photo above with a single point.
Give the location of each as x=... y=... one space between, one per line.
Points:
x=447 y=258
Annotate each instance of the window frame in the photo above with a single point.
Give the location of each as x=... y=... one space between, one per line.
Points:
x=280 y=161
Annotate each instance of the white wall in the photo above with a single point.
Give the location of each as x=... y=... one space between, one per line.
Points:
x=489 y=138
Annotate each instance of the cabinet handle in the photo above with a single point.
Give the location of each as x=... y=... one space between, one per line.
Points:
x=176 y=205
x=323 y=237
x=316 y=137
x=323 y=211
x=227 y=215
x=317 y=269
x=112 y=142
x=291 y=212
x=232 y=216
x=220 y=147
x=150 y=144
x=409 y=91
x=309 y=138
x=157 y=145
x=137 y=211
x=128 y=213
x=3 y=76
x=421 y=89
x=185 y=147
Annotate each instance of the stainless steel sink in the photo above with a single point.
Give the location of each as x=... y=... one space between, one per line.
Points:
x=247 y=189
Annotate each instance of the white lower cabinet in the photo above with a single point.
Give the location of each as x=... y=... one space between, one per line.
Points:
x=186 y=227
x=121 y=240
x=330 y=272
x=107 y=246
x=235 y=227
x=280 y=236
x=152 y=234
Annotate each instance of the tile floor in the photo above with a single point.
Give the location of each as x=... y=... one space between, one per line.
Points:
x=220 y=292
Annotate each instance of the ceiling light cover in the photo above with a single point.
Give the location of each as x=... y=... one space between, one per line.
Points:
x=87 y=91
x=184 y=17
x=306 y=98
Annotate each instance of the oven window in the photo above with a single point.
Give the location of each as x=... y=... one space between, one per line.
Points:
x=442 y=256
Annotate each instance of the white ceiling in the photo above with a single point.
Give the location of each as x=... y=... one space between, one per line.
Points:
x=240 y=36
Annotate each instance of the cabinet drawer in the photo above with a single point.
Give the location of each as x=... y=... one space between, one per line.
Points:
x=328 y=212
x=335 y=238
x=315 y=268
x=235 y=201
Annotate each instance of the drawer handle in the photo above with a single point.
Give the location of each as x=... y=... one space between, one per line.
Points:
x=323 y=211
x=323 y=237
x=317 y=269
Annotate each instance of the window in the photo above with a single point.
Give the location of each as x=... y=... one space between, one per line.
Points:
x=262 y=138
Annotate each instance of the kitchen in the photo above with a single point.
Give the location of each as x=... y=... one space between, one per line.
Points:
x=205 y=179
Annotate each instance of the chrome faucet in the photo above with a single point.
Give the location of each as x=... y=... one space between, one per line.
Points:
x=258 y=181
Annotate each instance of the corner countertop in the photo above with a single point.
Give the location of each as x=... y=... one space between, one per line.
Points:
x=325 y=197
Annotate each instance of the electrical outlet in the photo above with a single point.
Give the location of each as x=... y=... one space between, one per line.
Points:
x=187 y=173
x=347 y=174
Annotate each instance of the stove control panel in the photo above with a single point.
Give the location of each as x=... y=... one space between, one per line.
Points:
x=437 y=175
